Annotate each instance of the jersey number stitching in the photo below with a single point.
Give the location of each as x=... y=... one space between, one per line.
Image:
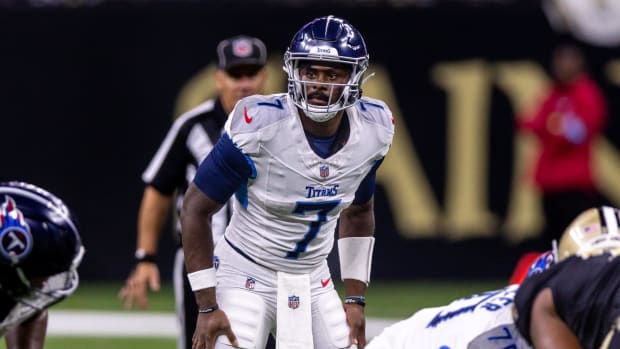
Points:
x=321 y=208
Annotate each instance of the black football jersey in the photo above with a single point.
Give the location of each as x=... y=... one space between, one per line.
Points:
x=586 y=294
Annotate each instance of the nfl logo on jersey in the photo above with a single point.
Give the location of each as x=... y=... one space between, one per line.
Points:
x=324 y=171
x=250 y=283
x=293 y=302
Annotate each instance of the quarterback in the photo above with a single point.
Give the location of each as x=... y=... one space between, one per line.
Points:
x=299 y=164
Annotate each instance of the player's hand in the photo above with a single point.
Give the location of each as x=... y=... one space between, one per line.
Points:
x=135 y=291
x=357 y=324
x=209 y=326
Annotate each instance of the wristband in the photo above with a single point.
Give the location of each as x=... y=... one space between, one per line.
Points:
x=202 y=279
x=355 y=255
x=142 y=256
x=208 y=310
x=359 y=300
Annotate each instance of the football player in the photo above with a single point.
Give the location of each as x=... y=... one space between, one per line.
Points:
x=480 y=321
x=576 y=304
x=298 y=163
x=241 y=72
x=40 y=250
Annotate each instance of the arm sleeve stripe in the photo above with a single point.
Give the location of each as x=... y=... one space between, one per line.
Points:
x=367 y=187
x=224 y=170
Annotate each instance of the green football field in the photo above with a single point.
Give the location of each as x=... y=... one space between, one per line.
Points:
x=393 y=300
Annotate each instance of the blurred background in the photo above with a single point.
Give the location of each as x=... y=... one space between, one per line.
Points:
x=88 y=89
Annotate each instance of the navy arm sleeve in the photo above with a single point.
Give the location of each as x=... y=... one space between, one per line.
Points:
x=367 y=187
x=223 y=171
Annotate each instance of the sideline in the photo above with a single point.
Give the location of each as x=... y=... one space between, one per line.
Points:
x=138 y=324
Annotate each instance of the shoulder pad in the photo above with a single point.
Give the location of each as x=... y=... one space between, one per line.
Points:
x=249 y=121
x=256 y=112
x=375 y=111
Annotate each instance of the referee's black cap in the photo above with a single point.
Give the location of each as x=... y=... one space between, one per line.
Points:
x=241 y=50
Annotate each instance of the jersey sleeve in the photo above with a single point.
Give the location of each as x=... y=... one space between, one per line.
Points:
x=249 y=122
x=525 y=298
x=167 y=167
x=367 y=188
x=565 y=280
x=379 y=115
x=223 y=171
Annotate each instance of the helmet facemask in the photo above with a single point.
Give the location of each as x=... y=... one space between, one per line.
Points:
x=298 y=88
x=40 y=293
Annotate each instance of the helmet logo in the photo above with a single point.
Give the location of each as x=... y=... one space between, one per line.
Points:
x=542 y=263
x=15 y=237
x=324 y=50
x=592 y=228
x=242 y=48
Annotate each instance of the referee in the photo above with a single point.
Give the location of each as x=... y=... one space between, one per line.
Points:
x=241 y=72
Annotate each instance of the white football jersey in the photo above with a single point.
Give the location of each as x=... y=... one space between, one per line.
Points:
x=481 y=321
x=286 y=218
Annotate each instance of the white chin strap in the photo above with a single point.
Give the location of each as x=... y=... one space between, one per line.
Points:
x=319 y=116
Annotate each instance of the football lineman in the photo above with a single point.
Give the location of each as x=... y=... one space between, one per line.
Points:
x=570 y=299
x=40 y=250
x=576 y=304
x=297 y=163
x=480 y=321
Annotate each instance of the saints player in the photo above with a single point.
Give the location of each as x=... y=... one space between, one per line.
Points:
x=298 y=163
x=576 y=304
x=40 y=250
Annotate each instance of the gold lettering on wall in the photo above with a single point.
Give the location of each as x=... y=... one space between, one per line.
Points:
x=607 y=169
x=414 y=207
x=607 y=157
x=523 y=83
x=467 y=85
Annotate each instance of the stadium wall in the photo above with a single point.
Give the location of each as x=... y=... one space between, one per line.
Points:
x=88 y=93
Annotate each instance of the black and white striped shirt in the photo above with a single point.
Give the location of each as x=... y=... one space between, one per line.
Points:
x=189 y=140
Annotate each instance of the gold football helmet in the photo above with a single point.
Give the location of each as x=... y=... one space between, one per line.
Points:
x=593 y=232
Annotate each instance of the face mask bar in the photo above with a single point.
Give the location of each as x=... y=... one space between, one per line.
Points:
x=330 y=108
x=52 y=290
x=351 y=91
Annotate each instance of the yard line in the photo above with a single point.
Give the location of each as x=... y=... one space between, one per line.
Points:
x=138 y=324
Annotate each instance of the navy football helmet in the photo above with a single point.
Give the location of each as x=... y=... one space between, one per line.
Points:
x=40 y=250
x=326 y=39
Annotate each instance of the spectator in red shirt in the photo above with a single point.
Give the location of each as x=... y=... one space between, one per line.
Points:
x=572 y=114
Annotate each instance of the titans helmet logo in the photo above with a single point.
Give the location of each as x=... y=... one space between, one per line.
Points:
x=15 y=236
